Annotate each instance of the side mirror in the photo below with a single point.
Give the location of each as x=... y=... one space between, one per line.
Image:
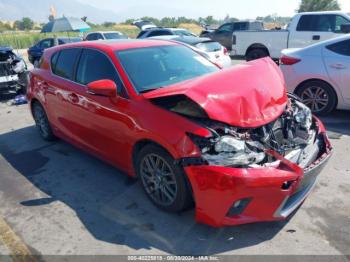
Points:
x=345 y=28
x=104 y=87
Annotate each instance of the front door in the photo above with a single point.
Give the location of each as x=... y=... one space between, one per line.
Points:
x=337 y=62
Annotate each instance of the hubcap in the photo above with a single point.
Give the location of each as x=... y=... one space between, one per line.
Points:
x=41 y=121
x=315 y=98
x=158 y=179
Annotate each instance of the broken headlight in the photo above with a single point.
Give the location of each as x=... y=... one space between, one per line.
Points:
x=229 y=151
x=303 y=115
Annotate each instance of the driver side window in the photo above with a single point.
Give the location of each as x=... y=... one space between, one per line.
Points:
x=46 y=43
x=88 y=72
x=225 y=28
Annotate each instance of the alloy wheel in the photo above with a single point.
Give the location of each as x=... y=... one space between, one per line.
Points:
x=158 y=179
x=315 y=98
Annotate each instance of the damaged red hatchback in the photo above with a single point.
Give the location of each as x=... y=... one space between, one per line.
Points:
x=230 y=141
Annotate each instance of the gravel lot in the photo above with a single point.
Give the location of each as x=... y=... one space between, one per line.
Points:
x=60 y=200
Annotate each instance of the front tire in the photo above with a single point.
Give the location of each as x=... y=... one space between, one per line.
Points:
x=318 y=96
x=42 y=122
x=163 y=181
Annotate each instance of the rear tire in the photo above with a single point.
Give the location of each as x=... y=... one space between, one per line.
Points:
x=42 y=122
x=318 y=96
x=256 y=53
x=164 y=182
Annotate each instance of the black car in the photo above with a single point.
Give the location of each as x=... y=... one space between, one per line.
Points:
x=35 y=52
x=13 y=72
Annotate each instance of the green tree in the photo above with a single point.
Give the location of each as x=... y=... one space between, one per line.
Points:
x=318 y=5
x=25 y=24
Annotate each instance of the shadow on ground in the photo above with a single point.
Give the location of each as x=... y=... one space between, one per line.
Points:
x=113 y=207
x=337 y=123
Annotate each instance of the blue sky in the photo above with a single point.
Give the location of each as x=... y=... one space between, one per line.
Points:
x=195 y=8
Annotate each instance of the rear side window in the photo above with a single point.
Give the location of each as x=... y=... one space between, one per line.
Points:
x=321 y=23
x=240 y=26
x=209 y=46
x=341 y=48
x=93 y=66
x=64 y=67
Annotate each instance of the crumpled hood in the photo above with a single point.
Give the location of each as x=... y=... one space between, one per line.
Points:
x=247 y=95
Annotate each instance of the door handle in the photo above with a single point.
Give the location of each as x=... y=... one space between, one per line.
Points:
x=338 y=66
x=316 y=37
x=73 y=98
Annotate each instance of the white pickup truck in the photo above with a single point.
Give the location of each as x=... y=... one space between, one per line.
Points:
x=303 y=30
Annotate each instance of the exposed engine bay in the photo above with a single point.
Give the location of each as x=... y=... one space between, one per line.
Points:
x=293 y=135
x=13 y=72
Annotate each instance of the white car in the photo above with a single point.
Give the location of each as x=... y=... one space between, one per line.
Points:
x=210 y=49
x=320 y=74
x=104 y=35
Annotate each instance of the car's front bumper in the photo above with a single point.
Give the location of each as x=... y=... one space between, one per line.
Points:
x=217 y=189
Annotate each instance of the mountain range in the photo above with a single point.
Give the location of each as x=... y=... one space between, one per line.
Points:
x=39 y=10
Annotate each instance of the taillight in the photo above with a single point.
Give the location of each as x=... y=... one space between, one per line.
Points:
x=287 y=60
x=225 y=51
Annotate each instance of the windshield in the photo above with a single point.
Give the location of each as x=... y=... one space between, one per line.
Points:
x=114 y=36
x=155 y=67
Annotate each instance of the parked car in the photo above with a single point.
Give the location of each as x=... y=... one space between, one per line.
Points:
x=303 y=30
x=148 y=29
x=107 y=35
x=224 y=34
x=159 y=31
x=13 y=72
x=212 y=50
x=229 y=140
x=320 y=74
x=35 y=52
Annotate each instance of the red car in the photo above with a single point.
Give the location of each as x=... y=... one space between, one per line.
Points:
x=231 y=142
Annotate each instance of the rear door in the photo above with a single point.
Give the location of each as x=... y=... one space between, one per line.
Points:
x=337 y=61
x=59 y=89
x=315 y=28
x=99 y=122
x=224 y=35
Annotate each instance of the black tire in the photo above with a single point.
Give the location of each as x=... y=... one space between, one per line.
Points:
x=42 y=122
x=256 y=53
x=24 y=82
x=182 y=198
x=324 y=99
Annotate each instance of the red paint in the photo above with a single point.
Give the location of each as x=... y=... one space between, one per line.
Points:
x=104 y=87
x=248 y=95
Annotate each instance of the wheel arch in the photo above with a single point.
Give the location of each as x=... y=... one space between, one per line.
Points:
x=144 y=142
x=139 y=145
x=257 y=46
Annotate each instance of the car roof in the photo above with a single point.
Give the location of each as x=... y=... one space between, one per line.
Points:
x=322 y=12
x=103 y=32
x=116 y=45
